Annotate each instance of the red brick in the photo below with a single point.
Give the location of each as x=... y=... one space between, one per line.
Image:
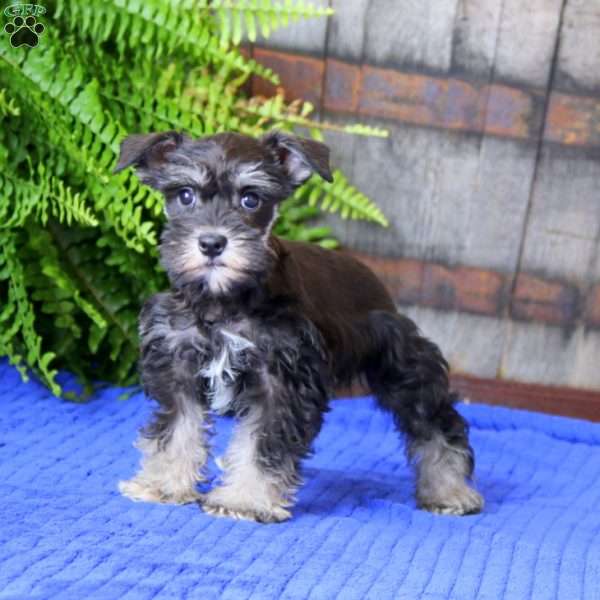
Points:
x=342 y=86
x=546 y=301
x=592 y=307
x=420 y=100
x=301 y=76
x=573 y=120
x=464 y=289
x=510 y=112
x=483 y=291
x=402 y=276
x=405 y=280
x=440 y=102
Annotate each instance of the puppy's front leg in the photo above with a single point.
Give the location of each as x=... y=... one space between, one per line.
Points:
x=253 y=487
x=173 y=454
x=281 y=410
x=173 y=445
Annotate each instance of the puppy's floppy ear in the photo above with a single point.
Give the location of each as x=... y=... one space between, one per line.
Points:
x=144 y=150
x=300 y=157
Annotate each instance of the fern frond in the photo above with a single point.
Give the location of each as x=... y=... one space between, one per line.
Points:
x=159 y=27
x=18 y=336
x=341 y=197
x=54 y=291
x=294 y=216
x=48 y=196
x=78 y=253
x=57 y=200
x=8 y=106
x=114 y=330
x=271 y=111
x=239 y=17
x=84 y=107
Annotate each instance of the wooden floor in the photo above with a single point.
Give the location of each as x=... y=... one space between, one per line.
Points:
x=555 y=400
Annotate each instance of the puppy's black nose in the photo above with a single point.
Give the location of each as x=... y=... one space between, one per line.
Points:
x=212 y=244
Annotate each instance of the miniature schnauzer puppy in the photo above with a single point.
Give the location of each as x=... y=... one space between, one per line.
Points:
x=264 y=329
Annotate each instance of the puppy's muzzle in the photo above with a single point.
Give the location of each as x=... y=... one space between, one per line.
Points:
x=212 y=244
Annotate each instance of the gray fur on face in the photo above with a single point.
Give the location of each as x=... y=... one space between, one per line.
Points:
x=245 y=259
x=218 y=172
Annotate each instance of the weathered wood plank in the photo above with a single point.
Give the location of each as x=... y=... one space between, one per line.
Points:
x=562 y=234
x=346 y=40
x=529 y=352
x=513 y=36
x=449 y=198
x=551 y=399
x=568 y=401
x=476 y=25
x=561 y=240
x=579 y=53
x=538 y=353
x=410 y=32
x=347 y=30
x=305 y=35
x=526 y=40
x=561 y=352
x=458 y=103
x=455 y=198
x=471 y=344
x=465 y=196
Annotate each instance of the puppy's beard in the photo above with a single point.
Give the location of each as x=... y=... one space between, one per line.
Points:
x=217 y=275
x=220 y=279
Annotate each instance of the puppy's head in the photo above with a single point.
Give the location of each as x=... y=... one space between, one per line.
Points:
x=221 y=194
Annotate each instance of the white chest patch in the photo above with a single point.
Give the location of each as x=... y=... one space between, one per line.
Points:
x=221 y=372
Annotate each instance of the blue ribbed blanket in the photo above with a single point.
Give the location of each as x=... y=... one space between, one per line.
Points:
x=66 y=533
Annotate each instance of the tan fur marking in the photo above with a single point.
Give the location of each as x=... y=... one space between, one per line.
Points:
x=246 y=492
x=169 y=474
x=441 y=473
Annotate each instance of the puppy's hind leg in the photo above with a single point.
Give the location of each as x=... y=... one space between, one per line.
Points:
x=409 y=376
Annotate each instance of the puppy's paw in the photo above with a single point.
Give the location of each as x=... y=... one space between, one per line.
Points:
x=276 y=516
x=460 y=500
x=139 y=490
x=221 y=502
x=221 y=462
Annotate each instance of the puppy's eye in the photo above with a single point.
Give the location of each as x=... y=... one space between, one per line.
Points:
x=250 y=201
x=186 y=196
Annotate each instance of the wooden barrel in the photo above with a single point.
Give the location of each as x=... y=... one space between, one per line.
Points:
x=490 y=176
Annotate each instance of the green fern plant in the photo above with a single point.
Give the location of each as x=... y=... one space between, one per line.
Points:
x=78 y=245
